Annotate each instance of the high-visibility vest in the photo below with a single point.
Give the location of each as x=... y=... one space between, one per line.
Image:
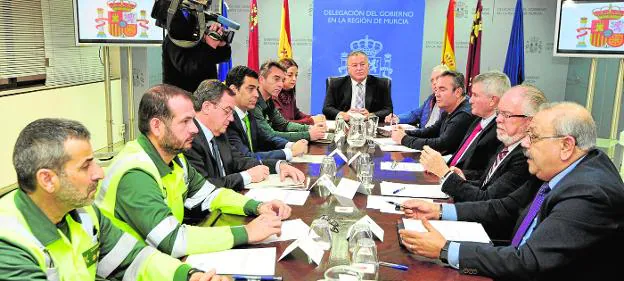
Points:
x=62 y=260
x=172 y=186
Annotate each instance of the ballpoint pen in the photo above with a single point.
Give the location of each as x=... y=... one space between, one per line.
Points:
x=394 y=265
x=259 y=159
x=256 y=277
x=397 y=206
x=398 y=190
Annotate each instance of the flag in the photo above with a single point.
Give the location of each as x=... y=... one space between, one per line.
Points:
x=224 y=67
x=514 y=63
x=284 y=50
x=448 y=43
x=473 y=65
x=253 y=56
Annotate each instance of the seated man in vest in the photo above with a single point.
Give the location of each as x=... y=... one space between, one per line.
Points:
x=244 y=134
x=480 y=142
x=428 y=113
x=272 y=77
x=211 y=153
x=508 y=168
x=562 y=226
x=358 y=91
x=50 y=229
x=150 y=187
x=447 y=134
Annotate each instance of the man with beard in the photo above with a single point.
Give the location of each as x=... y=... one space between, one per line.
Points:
x=150 y=187
x=51 y=231
x=508 y=168
x=567 y=227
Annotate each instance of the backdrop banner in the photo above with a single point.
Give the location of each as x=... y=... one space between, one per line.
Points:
x=390 y=32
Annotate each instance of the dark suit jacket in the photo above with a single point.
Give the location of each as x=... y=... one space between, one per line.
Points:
x=446 y=134
x=510 y=174
x=233 y=161
x=478 y=154
x=578 y=235
x=264 y=145
x=339 y=92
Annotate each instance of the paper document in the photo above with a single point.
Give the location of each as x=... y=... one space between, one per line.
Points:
x=378 y=202
x=452 y=230
x=288 y=196
x=347 y=188
x=402 y=166
x=397 y=148
x=406 y=127
x=412 y=190
x=308 y=158
x=257 y=261
x=384 y=141
x=291 y=230
x=273 y=180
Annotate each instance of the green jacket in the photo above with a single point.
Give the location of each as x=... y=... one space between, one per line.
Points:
x=271 y=120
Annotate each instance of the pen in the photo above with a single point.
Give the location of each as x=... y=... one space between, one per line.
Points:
x=394 y=265
x=397 y=206
x=259 y=159
x=398 y=190
x=257 y=277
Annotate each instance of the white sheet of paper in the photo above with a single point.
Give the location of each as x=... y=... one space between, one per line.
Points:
x=347 y=188
x=384 y=141
x=406 y=127
x=291 y=230
x=379 y=202
x=256 y=261
x=452 y=230
x=308 y=246
x=288 y=196
x=402 y=166
x=308 y=158
x=374 y=227
x=412 y=190
x=273 y=180
x=397 y=148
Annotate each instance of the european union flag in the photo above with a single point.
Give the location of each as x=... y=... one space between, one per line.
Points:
x=224 y=67
x=514 y=63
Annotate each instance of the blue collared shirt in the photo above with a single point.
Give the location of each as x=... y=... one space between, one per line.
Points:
x=449 y=212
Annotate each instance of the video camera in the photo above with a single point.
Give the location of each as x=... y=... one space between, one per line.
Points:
x=187 y=21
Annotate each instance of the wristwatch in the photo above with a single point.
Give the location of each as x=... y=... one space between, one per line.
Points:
x=191 y=272
x=444 y=252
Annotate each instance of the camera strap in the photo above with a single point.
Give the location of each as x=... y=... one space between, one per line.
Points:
x=173 y=7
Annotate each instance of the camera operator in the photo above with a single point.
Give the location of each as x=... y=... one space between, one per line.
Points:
x=187 y=67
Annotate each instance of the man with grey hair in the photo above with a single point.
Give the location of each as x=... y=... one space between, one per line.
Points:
x=358 y=91
x=567 y=227
x=508 y=168
x=429 y=112
x=50 y=229
x=211 y=153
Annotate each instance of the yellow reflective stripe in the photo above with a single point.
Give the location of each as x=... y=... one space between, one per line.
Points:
x=162 y=230
x=179 y=246
x=116 y=256
x=111 y=173
x=132 y=272
x=204 y=195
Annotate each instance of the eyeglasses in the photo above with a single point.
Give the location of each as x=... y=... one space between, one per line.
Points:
x=508 y=115
x=331 y=222
x=228 y=111
x=535 y=139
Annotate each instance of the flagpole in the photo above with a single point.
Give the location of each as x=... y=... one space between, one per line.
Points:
x=591 y=85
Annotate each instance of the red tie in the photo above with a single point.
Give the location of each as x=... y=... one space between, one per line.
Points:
x=464 y=146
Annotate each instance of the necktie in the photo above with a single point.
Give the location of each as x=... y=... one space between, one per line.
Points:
x=528 y=219
x=246 y=119
x=359 y=102
x=217 y=156
x=464 y=146
x=499 y=159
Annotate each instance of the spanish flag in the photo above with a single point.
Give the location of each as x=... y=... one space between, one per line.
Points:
x=448 y=43
x=284 y=50
x=253 y=57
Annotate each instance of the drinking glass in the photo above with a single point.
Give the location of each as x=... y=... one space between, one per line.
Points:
x=320 y=232
x=365 y=259
x=357 y=131
x=342 y=273
x=358 y=231
x=371 y=126
x=328 y=167
x=365 y=173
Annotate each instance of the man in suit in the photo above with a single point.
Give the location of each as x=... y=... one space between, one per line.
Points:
x=447 y=134
x=211 y=153
x=357 y=92
x=480 y=140
x=570 y=229
x=428 y=113
x=269 y=119
x=245 y=134
x=508 y=168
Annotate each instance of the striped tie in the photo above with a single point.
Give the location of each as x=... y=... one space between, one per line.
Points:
x=359 y=102
x=499 y=158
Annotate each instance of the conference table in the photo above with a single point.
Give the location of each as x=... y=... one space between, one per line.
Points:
x=318 y=203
